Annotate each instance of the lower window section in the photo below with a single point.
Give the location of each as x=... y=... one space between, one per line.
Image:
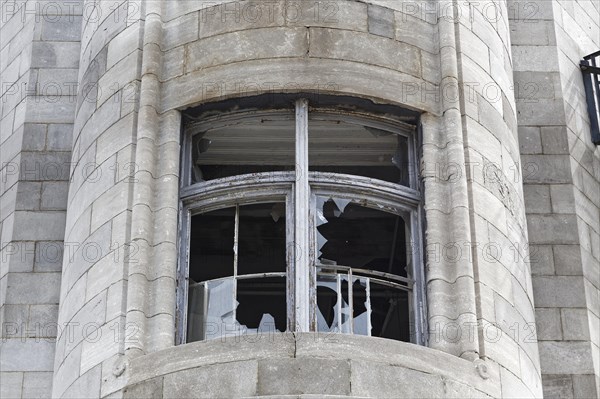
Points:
x=368 y=306
x=238 y=283
x=236 y=306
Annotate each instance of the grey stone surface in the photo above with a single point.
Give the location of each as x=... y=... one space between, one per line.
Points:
x=585 y=386
x=557 y=386
x=37 y=385
x=291 y=376
x=371 y=49
x=537 y=198
x=151 y=389
x=382 y=21
x=548 y=324
x=542 y=229
x=559 y=291
x=554 y=140
x=234 y=380
x=12 y=384
x=575 y=324
x=566 y=357
x=353 y=46
x=567 y=259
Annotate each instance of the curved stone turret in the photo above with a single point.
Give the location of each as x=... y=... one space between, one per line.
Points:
x=144 y=63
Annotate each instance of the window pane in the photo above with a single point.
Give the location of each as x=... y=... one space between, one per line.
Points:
x=258 y=307
x=377 y=309
x=336 y=146
x=211 y=245
x=262 y=239
x=248 y=145
x=359 y=237
x=390 y=312
x=262 y=304
x=221 y=303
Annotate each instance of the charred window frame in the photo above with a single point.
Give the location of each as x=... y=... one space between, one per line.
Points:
x=316 y=199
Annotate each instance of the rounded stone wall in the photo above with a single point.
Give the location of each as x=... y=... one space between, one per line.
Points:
x=332 y=365
x=140 y=69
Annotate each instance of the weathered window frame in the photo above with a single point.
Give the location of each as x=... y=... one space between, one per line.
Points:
x=298 y=190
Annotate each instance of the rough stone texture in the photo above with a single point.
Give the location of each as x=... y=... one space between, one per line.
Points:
x=102 y=102
x=323 y=366
x=554 y=136
x=40 y=55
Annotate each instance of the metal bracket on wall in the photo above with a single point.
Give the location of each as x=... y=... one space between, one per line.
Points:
x=590 y=67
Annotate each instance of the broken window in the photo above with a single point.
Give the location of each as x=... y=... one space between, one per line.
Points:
x=363 y=276
x=243 y=144
x=318 y=231
x=237 y=270
x=353 y=147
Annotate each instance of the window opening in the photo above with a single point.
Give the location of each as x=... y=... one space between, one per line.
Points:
x=237 y=271
x=340 y=254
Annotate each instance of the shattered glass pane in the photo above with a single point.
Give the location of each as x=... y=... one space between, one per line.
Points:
x=211 y=245
x=327 y=304
x=356 y=236
x=250 y=145
x=220 y=310
x=196 y=318
x=262 y=239
x=338 y=146
x=211 y=309
x=334 y=313
x=262 y=304
x=390 y=312
x=351 y=237
x=220 y=303
x=362 y=307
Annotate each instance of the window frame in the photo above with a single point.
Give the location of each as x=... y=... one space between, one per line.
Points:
x=295 y=188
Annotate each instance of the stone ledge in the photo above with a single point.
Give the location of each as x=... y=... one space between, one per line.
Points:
x=343 y=356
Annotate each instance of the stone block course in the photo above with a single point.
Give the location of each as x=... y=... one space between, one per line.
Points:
x=180 y=31
x=381 y=21
x=554 y=140
x=55 y=55
x=330 y=377
x=66 y=28
x=563 y=200
x=24 y=355
x=542 y=227
x=557 y=386
x=564 y=292
x=575 y=324
x=235 y=380
x=244 y=45
x=30 y=225
x=537 y=198
x=546 y=169
x=37 y=384
x=352 y=46
x=564 y=357
x=541 y=259
x=416 y=32
x=12 y=384
x=548 y=324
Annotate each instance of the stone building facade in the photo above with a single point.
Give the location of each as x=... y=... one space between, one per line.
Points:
x=105 y=112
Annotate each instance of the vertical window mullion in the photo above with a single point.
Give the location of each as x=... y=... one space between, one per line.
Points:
x=236 y=240
x=301 y=236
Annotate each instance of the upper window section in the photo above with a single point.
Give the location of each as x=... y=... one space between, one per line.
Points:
x=243 y=144
x=351 y=146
